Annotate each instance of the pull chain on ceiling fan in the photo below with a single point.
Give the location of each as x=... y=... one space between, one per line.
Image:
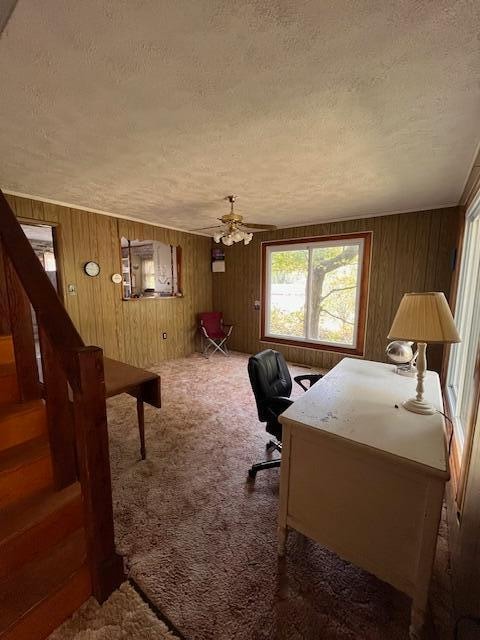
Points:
x=233 y=228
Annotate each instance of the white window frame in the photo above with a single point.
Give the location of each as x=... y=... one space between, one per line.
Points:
x=459 y=388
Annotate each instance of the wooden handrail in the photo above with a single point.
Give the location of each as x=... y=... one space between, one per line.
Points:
x=77 y=419
x=51 y=314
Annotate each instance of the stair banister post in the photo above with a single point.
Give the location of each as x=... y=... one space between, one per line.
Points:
x=61 y=432
x=21 y=328
x=91 y=435
x=4 y=307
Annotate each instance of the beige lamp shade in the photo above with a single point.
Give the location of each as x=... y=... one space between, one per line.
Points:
x=424 y=317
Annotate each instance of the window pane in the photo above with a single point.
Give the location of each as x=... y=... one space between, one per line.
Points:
x=288 y=288
x=148 y=273
x=461 y=367
x=333 y=298
x=49 y=261
x=313 y=292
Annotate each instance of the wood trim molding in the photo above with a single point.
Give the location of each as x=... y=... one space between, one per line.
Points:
x=454 y=457
x=452 y=298
x=179 y=269
x=459 y=459
x=359 y=350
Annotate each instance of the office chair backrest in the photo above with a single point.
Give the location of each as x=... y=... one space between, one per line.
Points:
x=269 y=377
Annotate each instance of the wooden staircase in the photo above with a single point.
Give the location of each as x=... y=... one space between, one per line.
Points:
x=44 y=575
x=56 y=517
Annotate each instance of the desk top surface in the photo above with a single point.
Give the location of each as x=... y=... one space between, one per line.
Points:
x=356 y=400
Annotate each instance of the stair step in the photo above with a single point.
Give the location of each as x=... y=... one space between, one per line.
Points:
x=30 y=527
x=6 y=350
x=8 y=383
x=21 y=422
x=25 y=470
x=36 y=599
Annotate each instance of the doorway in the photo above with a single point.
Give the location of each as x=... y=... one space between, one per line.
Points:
x=42 y=241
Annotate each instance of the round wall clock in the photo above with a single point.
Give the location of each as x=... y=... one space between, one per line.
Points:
x=91 y=268
x=116 y=278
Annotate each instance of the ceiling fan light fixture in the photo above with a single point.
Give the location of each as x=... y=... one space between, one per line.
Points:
x=234 y=228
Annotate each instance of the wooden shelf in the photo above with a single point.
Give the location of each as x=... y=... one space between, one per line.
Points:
x=152 y=298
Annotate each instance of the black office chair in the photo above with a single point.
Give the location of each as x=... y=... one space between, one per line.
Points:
x=272 y=385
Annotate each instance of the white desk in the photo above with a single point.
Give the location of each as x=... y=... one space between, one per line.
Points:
x=364 y=478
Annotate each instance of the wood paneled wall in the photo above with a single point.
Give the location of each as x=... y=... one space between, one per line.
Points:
x=129 y=331
x=411 y=252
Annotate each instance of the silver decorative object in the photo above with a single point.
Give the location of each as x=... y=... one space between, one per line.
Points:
x=400 y=352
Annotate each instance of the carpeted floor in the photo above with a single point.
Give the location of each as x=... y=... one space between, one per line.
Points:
x=201 y=541
x=124 y=616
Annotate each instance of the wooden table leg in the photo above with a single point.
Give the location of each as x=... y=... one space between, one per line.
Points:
x=141 y=426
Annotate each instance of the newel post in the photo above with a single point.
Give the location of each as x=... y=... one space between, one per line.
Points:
x=59 y=409
x=91 y=435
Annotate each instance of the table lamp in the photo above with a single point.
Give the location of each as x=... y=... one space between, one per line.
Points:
x=423 y=317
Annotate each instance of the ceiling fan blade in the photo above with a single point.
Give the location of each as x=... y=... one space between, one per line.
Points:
x=265 y=227
x=213 y=226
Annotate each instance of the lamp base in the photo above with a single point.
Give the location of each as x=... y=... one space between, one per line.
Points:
x=419 y=406
x=406 y=370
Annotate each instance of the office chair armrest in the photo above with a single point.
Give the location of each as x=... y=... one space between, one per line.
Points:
x=278 y=404
x=311 y=377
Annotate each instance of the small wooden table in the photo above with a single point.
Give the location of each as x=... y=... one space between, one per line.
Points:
x=365 y=477
x=139 y=383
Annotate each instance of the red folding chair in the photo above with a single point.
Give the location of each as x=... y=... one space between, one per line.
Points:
x=214 y=332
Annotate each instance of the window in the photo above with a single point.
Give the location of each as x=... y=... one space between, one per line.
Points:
x=150 y=269
x=315 y=290
x=148 y=274
x=49 y=262
x=463 y=356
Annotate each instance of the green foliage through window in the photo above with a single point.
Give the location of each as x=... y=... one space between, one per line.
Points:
x=313 y=292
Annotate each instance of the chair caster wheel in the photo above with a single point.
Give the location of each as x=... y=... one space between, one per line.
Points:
x=252 y=474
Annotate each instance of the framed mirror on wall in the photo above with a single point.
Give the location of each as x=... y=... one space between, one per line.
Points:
x=150 y=269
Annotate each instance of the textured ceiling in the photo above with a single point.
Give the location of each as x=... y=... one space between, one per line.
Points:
x=308 y=110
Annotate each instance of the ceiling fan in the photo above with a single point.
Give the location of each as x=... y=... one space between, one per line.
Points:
x=233 y=228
